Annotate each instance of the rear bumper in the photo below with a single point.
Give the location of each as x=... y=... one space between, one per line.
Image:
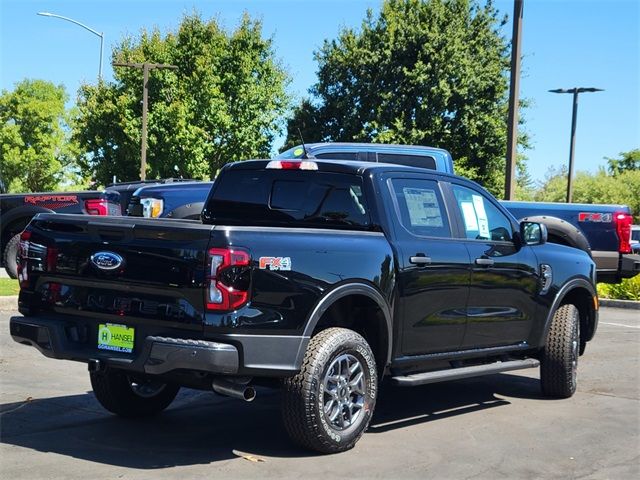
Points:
x=159 y=352
x=158 y=355
x=613 y=267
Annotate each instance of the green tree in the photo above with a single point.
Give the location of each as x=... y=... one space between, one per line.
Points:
x=224 y=103
x=425 y=72
x=628 y=161
x=554 y=186
x=599 y=187
x=34 y=148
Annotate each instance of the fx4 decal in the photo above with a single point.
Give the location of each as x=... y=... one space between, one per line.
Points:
x=275 y=263
x=595 y=217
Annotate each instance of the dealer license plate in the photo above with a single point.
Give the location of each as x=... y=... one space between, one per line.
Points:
x=118 y=338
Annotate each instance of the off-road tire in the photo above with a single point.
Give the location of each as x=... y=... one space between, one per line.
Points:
x=113 y=390
x=559 y=359
x=303 y=397
x=9 y=255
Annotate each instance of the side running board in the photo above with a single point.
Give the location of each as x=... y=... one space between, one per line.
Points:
x=463 y=372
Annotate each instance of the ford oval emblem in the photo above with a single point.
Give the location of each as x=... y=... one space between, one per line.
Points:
x=107 y=261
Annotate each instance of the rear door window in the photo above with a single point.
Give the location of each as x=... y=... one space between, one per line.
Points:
x=420 y=161
x=420 y=207
x=338 y=156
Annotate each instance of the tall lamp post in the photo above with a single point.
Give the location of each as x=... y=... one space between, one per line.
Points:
x=99 y=34
x=575 y=91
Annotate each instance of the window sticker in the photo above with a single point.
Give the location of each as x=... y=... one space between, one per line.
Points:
x=423 y=207
x=469 y=214
x=483 y=222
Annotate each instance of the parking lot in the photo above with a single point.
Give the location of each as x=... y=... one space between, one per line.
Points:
x=490 y=427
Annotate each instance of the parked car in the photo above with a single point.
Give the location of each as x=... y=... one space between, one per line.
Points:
x=635 y=238
x=127 y=189
x=17 y=210
x=604 y=231
x=319 y=277
x=173 y=200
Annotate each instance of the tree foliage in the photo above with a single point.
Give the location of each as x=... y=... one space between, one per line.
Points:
x=224 y=103
x=628 y=161
x=34 y=145
x=623 y=189
x=424 y=72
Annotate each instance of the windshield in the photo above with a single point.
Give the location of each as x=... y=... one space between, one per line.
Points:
x=635 y=234
x=295 y=152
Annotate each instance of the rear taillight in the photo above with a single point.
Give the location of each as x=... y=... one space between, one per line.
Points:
x=34 y=257
x=97 y=206
x=23 y=254
x=623 y=229
x=227 y=278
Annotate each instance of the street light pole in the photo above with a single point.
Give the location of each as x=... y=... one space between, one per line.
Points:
x=95 y=32
x=146 y=67
x=572 y=146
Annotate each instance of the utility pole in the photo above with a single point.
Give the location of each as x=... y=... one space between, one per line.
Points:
x=514 y=88
x=146 y=67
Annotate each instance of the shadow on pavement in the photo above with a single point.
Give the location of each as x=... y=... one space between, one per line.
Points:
x=201 y=428
x=400 y=407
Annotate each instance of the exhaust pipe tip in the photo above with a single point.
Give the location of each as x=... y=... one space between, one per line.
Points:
x=249 y=394
x=242 y=391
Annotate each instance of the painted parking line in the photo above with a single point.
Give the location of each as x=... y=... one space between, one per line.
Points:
x=619 y=325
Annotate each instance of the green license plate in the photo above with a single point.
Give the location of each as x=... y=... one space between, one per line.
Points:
x=118 y=338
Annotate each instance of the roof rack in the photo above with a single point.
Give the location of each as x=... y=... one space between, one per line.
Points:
x=158 y=180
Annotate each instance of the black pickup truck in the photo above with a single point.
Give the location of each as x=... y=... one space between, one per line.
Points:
x=17 y=210
x=317 y=276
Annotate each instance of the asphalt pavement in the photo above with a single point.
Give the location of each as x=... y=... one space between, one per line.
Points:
x=492 y=427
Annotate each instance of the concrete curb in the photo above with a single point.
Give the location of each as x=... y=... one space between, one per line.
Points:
x=628 y=304
x=9 y=303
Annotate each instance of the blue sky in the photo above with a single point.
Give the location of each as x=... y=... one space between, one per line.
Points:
x=566 y=43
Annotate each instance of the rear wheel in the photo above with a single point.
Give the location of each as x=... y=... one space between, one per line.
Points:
x=329 y=404
x=10 y=256
x=131 y=396
x=559 y=360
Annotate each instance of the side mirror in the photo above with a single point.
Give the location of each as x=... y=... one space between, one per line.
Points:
x=533 y=233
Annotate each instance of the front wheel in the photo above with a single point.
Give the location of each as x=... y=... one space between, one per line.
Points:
x=328 y=405
x=131 y=396
x=559 y=360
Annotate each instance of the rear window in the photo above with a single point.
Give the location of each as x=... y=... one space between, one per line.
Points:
x=289 y=198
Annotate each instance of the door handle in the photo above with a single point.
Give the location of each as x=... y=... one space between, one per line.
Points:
x=487 y=262
x=420 y=259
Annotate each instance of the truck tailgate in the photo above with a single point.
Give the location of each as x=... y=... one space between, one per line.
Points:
x=117 y=268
